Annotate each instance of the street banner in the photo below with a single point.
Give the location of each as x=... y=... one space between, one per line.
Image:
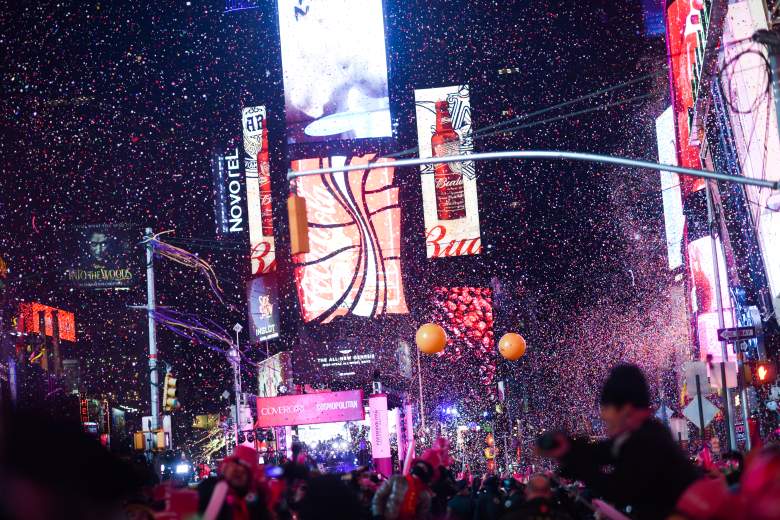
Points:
x=449 y=191
x=100 y=257
x=380 y=434
x=257 y=171
x=354 y=262
x=29 y=322
x=263 y=299
x=297 y=410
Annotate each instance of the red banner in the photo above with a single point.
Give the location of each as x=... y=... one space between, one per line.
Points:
x=296 y=410
x=29 y=321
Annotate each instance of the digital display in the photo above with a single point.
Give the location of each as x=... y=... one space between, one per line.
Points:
x=228 y=193
x=100 y=256
x=674 y=220
x=263 y=299
x=354 y=263
x=449 y=191
x=335 y=69
x=29 y=321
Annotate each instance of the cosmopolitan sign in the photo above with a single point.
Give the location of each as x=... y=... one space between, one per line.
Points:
x=324 y=407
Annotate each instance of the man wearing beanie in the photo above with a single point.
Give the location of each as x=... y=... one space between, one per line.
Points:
x=639 y=468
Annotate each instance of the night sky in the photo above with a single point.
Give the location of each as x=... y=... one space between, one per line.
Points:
x=110 y=112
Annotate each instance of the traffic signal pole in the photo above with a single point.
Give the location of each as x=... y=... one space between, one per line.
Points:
x=151 y=306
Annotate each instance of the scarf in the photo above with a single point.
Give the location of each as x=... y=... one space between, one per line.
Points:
x=409 y=506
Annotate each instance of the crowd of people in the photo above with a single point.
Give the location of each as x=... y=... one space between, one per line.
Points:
x=50 y=471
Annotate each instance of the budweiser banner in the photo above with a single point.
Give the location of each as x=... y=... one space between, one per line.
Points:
x=257 y=171
x=354 y=264
x=449 y=190
x=263 y=298
x=101 y=257
x=297 y=410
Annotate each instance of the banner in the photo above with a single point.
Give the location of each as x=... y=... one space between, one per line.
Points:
x=297 y=410
x=228 y=193
x=674 y=220
x=30 y=323
x=274 y=372
x=354 y=263
x=334 y=65
x=449 y=191
x=263 y=298
x=380 y=434
x=257 y=171
x=101 y=257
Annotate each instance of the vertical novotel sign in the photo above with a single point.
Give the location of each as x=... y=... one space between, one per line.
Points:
x=228 y=193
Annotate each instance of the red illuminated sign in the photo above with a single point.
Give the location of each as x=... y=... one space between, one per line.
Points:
x=29 y=321
x=354 y=263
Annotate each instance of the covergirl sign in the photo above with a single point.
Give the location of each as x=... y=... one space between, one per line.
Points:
x=296 y=410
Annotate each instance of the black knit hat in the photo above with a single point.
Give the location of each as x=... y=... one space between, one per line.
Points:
x=626 y=384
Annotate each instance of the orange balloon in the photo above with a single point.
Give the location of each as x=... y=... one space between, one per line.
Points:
x=430 y=338
x=512 y=346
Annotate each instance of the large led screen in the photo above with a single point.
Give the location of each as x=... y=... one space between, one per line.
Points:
x=354 y=264
x=29 y=321
x=257 y=170
x=449 y=191
x=263 y=299
x=335 y=69
x=674 y=220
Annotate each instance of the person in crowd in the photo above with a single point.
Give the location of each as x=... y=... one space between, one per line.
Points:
x=327 y=496
x=639 y=468
x=539 y=503
x=733 y=463
x=237 y=493
x=489 y=505
x=461 y=506
x=514 y=495
x=405 y=497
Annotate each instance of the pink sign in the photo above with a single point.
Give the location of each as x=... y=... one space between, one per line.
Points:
x=324 y=407
x=380 y=434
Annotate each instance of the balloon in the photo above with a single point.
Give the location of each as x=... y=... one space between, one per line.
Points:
x=512 y=346
x=431 y=338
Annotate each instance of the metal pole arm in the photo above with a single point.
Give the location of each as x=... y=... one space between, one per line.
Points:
x=544 y=154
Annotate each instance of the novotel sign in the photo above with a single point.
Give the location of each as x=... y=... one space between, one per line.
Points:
x=322 y=407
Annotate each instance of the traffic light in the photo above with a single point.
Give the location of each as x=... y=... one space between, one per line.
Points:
x=760 y=373
x=299 y=224
x=170 y=401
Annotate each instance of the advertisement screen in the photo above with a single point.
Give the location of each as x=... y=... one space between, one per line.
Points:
x=449 y=191
x=683 y=23
x=228 y=193
x=466 y=314
x=100 y=257
x=257 y=171
x=263 y=299
x=354 y=264
x=322 y=407
x=274 y=372
x=335 y=69
x=674 y=220
x=29 y=321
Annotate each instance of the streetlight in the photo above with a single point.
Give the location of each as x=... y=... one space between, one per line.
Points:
x=234 y=358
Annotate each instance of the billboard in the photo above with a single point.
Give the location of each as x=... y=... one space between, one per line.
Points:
x=674 y=220
x=322 y=407
x=449 y=191
x=274 y=372
x=354 y=263
x=100 y=257
x=335 y=69
x=257 y=171
x=29 y=321
x=683 y=23
x=466 y=314
x=263 y=298
x=229 y=210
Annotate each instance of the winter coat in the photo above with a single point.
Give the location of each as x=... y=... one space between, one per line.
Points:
x=646 y=471
x=390 y=498
x=256 y=506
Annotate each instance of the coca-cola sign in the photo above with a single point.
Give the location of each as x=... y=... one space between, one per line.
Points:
x=354 y=265
x=449 y=191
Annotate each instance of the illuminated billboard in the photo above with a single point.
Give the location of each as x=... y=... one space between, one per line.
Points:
x=262 y=296
x=466 y=314
x=354 y=263
x=273 y=373
x=674 y=220
x=229 y=210
x=100 y=257
x=257 y=171
x=29 y=321
x=335 y=69
x=449 y=191
x=683 y=23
